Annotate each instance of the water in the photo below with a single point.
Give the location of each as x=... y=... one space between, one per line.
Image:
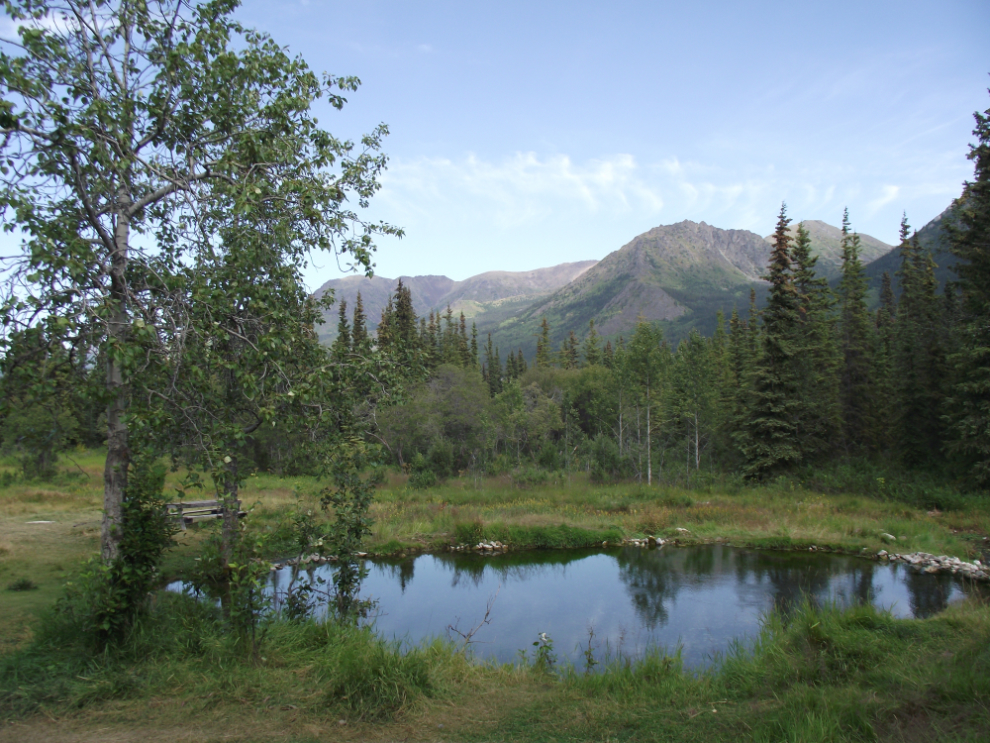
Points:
x=698 y=597
x=701 y=598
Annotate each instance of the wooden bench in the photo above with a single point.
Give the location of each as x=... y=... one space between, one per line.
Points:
x=189 y=512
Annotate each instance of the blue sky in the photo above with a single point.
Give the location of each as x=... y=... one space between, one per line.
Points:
x=525 y=134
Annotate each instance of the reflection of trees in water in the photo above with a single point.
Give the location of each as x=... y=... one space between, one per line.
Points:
x=928 y=594
x=402 y=570
x=651 y=580
x=510 y=567
x=791 y=578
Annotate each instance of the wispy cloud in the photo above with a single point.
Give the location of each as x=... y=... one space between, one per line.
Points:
x=887 y=195
x=523 y=187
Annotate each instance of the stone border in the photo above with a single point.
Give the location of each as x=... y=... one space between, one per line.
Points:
x=926 y=563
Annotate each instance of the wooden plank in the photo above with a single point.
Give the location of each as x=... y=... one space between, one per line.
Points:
x=194 y=504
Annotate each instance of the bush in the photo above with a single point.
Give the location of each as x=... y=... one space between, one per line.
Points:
x=607 y=465
x=22 y=584
x=528 y=477
x=423 y=479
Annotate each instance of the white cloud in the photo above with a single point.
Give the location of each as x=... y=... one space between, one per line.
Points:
x=521 y=188
x=888 y=194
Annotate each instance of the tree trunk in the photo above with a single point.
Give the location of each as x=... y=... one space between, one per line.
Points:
x=231 y=514
x=697 y=453
x=118 y=455
x=620 y=423
x=649 y=441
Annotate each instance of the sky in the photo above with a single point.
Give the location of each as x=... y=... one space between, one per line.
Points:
x=527 y=134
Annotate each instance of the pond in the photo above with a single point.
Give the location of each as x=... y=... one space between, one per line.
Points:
x=699 y=598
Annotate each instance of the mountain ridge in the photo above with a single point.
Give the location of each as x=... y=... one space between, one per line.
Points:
x=679 y=274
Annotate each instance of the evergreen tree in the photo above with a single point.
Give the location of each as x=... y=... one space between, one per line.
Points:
x=474 y=345
x=405 y=326
x=883 y=355
x=608 y=357
x=341 y=347
x=569 y=351
x=816 y=356
x=969 y=408
x=592 y=350
x=493 y=368
x=856 y=342
x=771 y=443
x=359 y=327
x=386 y=328
x=742 y=365
x=543 y=345
x=918 y=356
x=462 y=343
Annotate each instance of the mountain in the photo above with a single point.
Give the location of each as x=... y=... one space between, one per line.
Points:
x=826 y=243
x=679 y=275
x=670 y=272
x=490 y=292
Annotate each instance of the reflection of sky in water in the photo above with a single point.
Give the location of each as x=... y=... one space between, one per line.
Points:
x=699 y=597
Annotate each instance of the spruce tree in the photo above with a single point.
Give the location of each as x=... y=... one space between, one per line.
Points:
x=405 y=319
x=608 y=357
x=771 y=445
x=341 y=347
x=742 y=365
x=591 y=349
x=918 y=356
x=883 y=365
x=462 y=343
x=543 y=345
x=969 y=404
x=569 y=351
x=855 y=342
x=493 y=368
x=359 y=327
x=474 y=345
x=816 y=355
x=386 y=328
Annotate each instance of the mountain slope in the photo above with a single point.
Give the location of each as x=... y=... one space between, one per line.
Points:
x=662 y=274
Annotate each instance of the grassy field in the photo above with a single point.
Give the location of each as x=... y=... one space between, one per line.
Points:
x=819 y=676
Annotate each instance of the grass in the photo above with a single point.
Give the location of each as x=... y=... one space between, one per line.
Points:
x=818 y=675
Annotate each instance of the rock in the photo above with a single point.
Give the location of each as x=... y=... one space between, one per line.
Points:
x=882 y=554
x=680 y=530
x=887 y=537
x=360 y=554
x=651 y=541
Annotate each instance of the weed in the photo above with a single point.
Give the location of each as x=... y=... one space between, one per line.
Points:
x=23 y=584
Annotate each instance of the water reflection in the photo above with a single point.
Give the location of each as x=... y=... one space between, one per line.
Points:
x=701 y=598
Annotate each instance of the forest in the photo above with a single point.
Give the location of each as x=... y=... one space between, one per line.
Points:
x=812 y=378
